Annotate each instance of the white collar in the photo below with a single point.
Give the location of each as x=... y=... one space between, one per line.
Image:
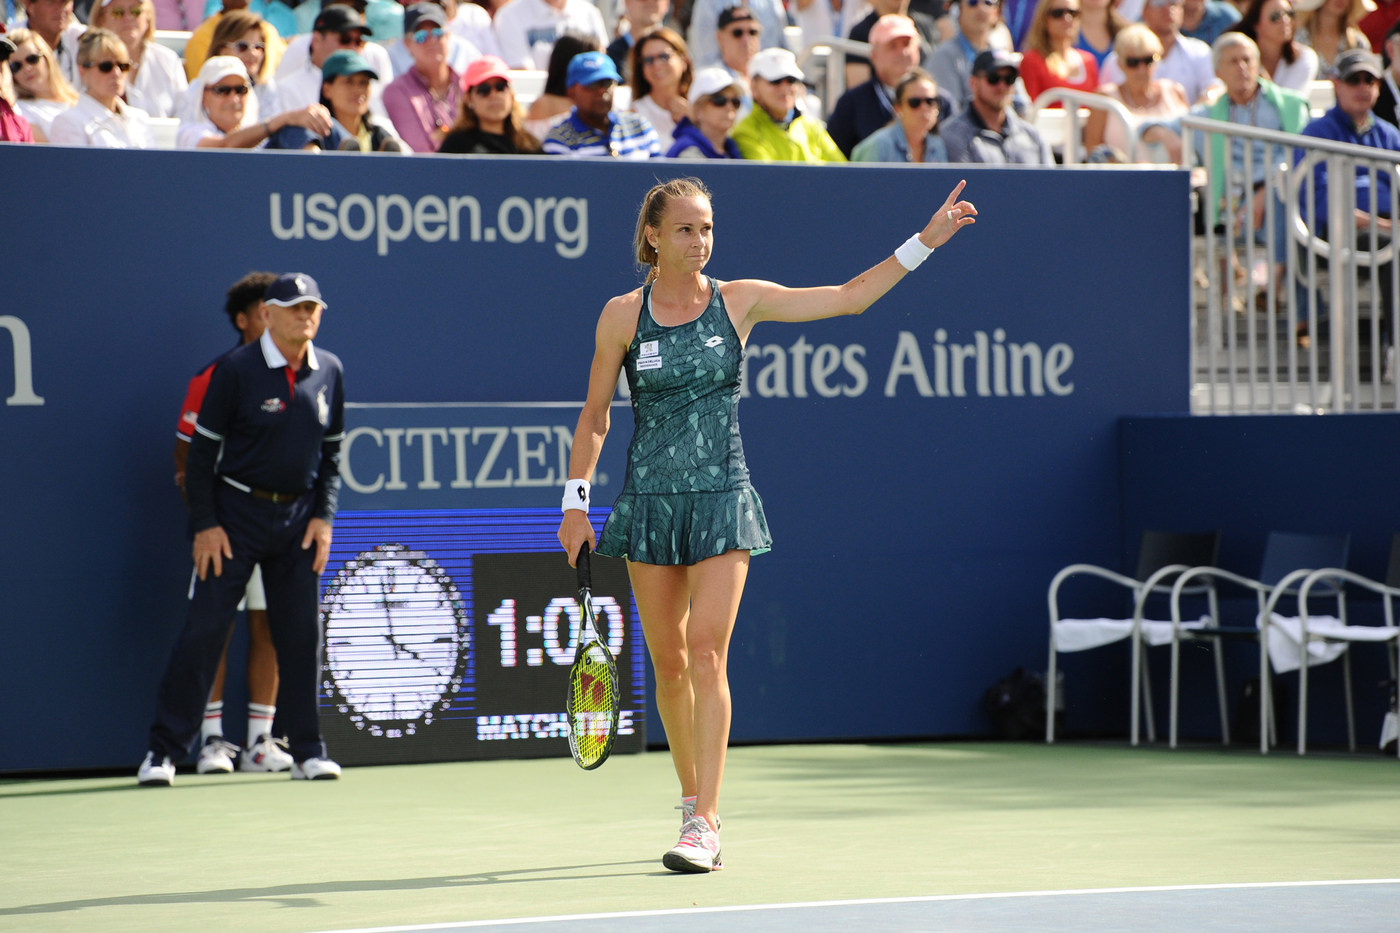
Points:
x=274 y=357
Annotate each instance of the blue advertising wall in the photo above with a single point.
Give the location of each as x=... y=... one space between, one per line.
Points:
x=925 y=466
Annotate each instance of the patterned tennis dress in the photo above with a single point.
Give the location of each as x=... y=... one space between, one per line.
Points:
x=687 y=494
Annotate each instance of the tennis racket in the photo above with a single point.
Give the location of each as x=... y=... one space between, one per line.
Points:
x=594 y=698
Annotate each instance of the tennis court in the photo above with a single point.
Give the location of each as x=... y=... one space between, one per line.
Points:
x=947 y=836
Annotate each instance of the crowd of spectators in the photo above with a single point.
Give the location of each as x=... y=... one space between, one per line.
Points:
x=942 y=81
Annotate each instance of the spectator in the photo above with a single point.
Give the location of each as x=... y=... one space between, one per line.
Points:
x=345 y=90
x=1099 y=23
x=715 y=97
x=989 y=130
x=642 y=17
x=865 y=108
x=200 y=44
x=951 y=64
x=1376 y=24
x=1154 y=103
x=592 y=129
x=1184 y=60
x=553 y=105
x=1287 y=62
x=157 y=81
x=471 y=23
x=42 y=91
x=338 y=26
x=222 y=119
x=423 y=101
x=13 y=127
x=776 y=130
x=1330 y=27
x=251 y=40
x=175 y=15
x=704 y=26
x=738 y=38
x=101 y=118
x=491 y=121
x=53 y=21
x=526 y=30
x=458 y=52
x=661 y=74
x=1207 y=19
x=1052 y=58
x=931 y=29
x=913 y=136
x=1385 y=107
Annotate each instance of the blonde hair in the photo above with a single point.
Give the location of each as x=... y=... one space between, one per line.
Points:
x=98 y=17
x=654 y=209
x=58 y=84
x=1136 y=38
x=96 y=41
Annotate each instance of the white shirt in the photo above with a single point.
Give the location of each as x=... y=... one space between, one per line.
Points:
x=473 y=23
x=1297 y=76
x=299 y=81
x=190 y=133
x=160 y=82
x=1188 y=63
x=40 y=113
x=88 y=123
x=526 y=29
x=659 y=117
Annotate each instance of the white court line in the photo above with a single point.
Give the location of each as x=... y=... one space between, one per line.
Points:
x=925 y=899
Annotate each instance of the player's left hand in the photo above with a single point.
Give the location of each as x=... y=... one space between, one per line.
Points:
x=318 y=530
x=948 y=219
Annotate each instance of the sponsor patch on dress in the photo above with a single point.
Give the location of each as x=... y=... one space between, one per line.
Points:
x=273 y=406
x=651 y=362
x=649 y=348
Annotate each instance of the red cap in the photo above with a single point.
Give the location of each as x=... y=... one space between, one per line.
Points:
x=484 y=69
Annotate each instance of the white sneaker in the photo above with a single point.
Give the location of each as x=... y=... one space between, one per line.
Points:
x=315 y=769
x=266 y=754
x=687 y=808
x=154 y=773
x=216 y=757
x=698 y=849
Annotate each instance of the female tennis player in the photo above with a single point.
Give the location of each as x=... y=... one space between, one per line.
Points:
x=687 y=519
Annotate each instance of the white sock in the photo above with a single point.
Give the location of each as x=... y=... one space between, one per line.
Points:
x=213 y=722
x=259 y=721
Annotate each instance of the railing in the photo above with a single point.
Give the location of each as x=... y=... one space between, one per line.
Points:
x=828 y=55
x=1263 y=339
x=1063 y=127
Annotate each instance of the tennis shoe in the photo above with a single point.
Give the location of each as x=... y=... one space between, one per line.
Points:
x=697 y=850
x=216 y=757
x=266 y=754
x=687 y=808
x=155 y=773
x=315 y=769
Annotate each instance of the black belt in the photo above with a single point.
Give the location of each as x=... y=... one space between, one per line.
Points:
x=265 y=494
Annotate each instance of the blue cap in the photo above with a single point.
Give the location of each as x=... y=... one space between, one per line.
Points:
x=293 y=288
x=589 y=67
x=346 y=62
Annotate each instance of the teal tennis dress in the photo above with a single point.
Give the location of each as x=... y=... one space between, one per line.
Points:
x=687 y=494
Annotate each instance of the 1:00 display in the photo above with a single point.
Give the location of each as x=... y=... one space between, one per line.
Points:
x=548 y=625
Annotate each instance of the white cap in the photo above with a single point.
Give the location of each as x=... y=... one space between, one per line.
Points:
x=774 y=64
x=218 y=67
x=709 y=81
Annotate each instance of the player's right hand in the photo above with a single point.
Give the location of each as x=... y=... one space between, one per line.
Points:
x=573 y=531
x=211 y=546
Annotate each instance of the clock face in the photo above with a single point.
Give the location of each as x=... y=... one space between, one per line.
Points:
x=396 y=640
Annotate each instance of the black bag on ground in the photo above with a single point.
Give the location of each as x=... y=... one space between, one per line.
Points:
x=1016 y=705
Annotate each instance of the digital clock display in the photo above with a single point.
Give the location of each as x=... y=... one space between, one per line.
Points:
x=449 y=635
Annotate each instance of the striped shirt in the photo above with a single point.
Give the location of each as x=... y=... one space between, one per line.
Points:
x=630 y=136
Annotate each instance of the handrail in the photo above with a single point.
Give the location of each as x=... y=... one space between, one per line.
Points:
x=835 y=77
x=1094 y=102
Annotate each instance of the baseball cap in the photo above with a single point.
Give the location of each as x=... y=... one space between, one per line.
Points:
x=995 y=60
x=734 y=14
x=892 y=26
x=293 y=288
x=591 y=67
x=420 y=13
x=484 y=69
x=346 y=62
x=340 y=18
x=218 y=67
x=774 y=64
x=709 y=81
x=1357 y=61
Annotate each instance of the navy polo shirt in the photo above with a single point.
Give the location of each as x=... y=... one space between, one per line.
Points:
x=270 y=428
x=1336 y=125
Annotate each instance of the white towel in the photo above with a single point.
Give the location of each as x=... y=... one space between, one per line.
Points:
x=1083 y=634
x=1285 y=635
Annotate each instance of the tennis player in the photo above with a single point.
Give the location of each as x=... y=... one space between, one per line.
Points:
x=687 y=519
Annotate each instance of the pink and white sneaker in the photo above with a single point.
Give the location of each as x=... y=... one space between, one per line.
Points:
x=697 y=850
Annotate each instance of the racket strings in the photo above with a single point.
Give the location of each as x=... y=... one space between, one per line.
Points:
x=593 y=704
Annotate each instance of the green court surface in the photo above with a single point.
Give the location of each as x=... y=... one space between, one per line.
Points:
x=455 y=843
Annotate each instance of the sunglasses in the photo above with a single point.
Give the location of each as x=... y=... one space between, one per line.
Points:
x=242 y=47
x=1142 y=62
x=1280 y=15
x=1000 y=77
x=741 y=33
x=106 y=67
x=33 y=58
x=662 y=57
x=423 y=35
x=123 y=14
x=982 y=2
x=785 y=79
x=1362 y=78
x=354 y=37
x=1063 y=12
x=486 y=88
x=919 y=103
x=224 y=90
x=720 y=100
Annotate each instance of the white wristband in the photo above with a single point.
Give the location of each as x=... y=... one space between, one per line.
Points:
x=912 y=252
x=576 y=495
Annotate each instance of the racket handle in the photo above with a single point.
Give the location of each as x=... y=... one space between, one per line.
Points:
x=585 y=573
